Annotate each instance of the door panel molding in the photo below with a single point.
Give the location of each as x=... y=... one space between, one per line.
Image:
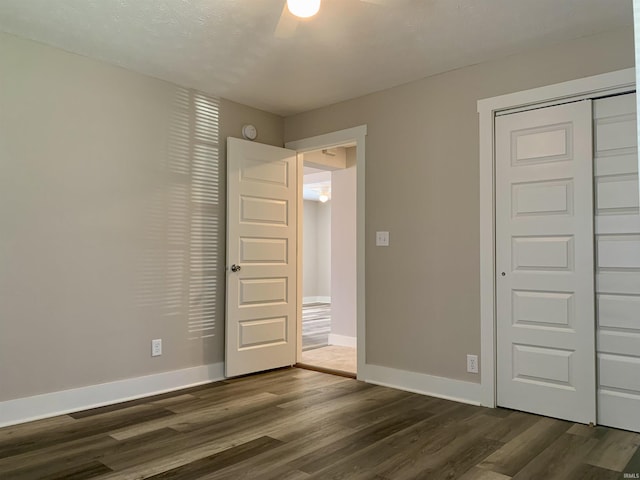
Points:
x=591 y=87
x=261 y=308
x=543 y=370
x=617 y=233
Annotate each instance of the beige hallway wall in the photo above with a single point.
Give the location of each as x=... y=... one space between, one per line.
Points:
x=343 y=248
x=422 y=292
x=324 y=249
x=309 y=252
x=316 y=250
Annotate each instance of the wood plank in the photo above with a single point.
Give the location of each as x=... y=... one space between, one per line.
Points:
x=60 y=470
x=447 y=456
x=513 y=425
x=194 y=416
x=614 y=450
x=276 y=461
x=633 y=466
x=476 y=473
x=79 y=451
x=295 y=424
x=85 y=427
x=451 y=462
x=402 y=446
x=74 y=452
x=406 y=401
x=589 y=472
x=167 y=398
x=587 y=431
x=321 y=458
x=217 y=461
x=194 y=443
x=517 y=453
x=559 y=459
x=15 y=432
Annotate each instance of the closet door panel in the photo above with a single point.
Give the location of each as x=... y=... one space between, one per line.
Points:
x=544 y=252
x=617 y=229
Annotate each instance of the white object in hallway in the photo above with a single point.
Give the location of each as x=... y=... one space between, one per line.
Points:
x=544 y=250
x=261 y=257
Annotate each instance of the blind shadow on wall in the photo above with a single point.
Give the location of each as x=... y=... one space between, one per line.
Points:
x=178 y=271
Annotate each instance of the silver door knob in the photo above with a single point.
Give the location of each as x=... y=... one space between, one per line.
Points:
x=235 y=268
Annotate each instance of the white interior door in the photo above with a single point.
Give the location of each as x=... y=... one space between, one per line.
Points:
x=545 y=266
x=617 y=228
x=261 y=257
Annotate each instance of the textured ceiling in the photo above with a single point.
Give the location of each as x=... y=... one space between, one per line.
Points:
x=351 y=48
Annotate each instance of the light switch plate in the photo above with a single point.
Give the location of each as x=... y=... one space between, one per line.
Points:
x=382 y=239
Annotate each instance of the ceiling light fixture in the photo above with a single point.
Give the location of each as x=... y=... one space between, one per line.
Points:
x=303 y=8
x=323 y=197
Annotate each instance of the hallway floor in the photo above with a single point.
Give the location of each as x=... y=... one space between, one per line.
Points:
x=332 y=357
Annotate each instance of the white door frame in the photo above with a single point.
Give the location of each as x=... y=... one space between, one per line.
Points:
x=590 y=87
x=351 y=136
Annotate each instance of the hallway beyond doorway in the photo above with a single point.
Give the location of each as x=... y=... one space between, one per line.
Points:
x=316 y=325
x=316 y=351
x=332 y=357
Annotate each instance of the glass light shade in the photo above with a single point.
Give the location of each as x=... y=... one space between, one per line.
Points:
x=323 y=197
x=303 y=8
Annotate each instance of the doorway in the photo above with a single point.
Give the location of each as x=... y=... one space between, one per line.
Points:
x=257 y=340
x=545 y=309
x=328 y=333
x=350 y=137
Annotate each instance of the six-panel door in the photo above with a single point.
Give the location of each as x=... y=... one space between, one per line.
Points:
x=261 y=247
x=544 y=253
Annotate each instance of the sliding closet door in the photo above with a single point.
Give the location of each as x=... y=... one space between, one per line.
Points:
x=545 y=267
x=617 y=229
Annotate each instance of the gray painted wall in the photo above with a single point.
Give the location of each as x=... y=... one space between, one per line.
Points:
x=80 y=144
x=422 y=292
x=85 y=211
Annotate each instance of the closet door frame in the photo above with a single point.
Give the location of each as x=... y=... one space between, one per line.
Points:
x=622 y=81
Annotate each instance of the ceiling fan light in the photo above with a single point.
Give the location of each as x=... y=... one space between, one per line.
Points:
x=323 y=197
x=303 y=8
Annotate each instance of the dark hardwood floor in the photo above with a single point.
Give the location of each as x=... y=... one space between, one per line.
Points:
x=298 y=424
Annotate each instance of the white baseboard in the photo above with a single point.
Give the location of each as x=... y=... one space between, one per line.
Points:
x=306 y=300
x=342 y=340
x=51 y=404
x=447 y=388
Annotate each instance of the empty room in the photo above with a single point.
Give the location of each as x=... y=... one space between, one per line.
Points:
x=157 y=162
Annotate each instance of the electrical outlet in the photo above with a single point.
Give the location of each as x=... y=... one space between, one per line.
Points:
x=472 y=363
x=156 y=347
